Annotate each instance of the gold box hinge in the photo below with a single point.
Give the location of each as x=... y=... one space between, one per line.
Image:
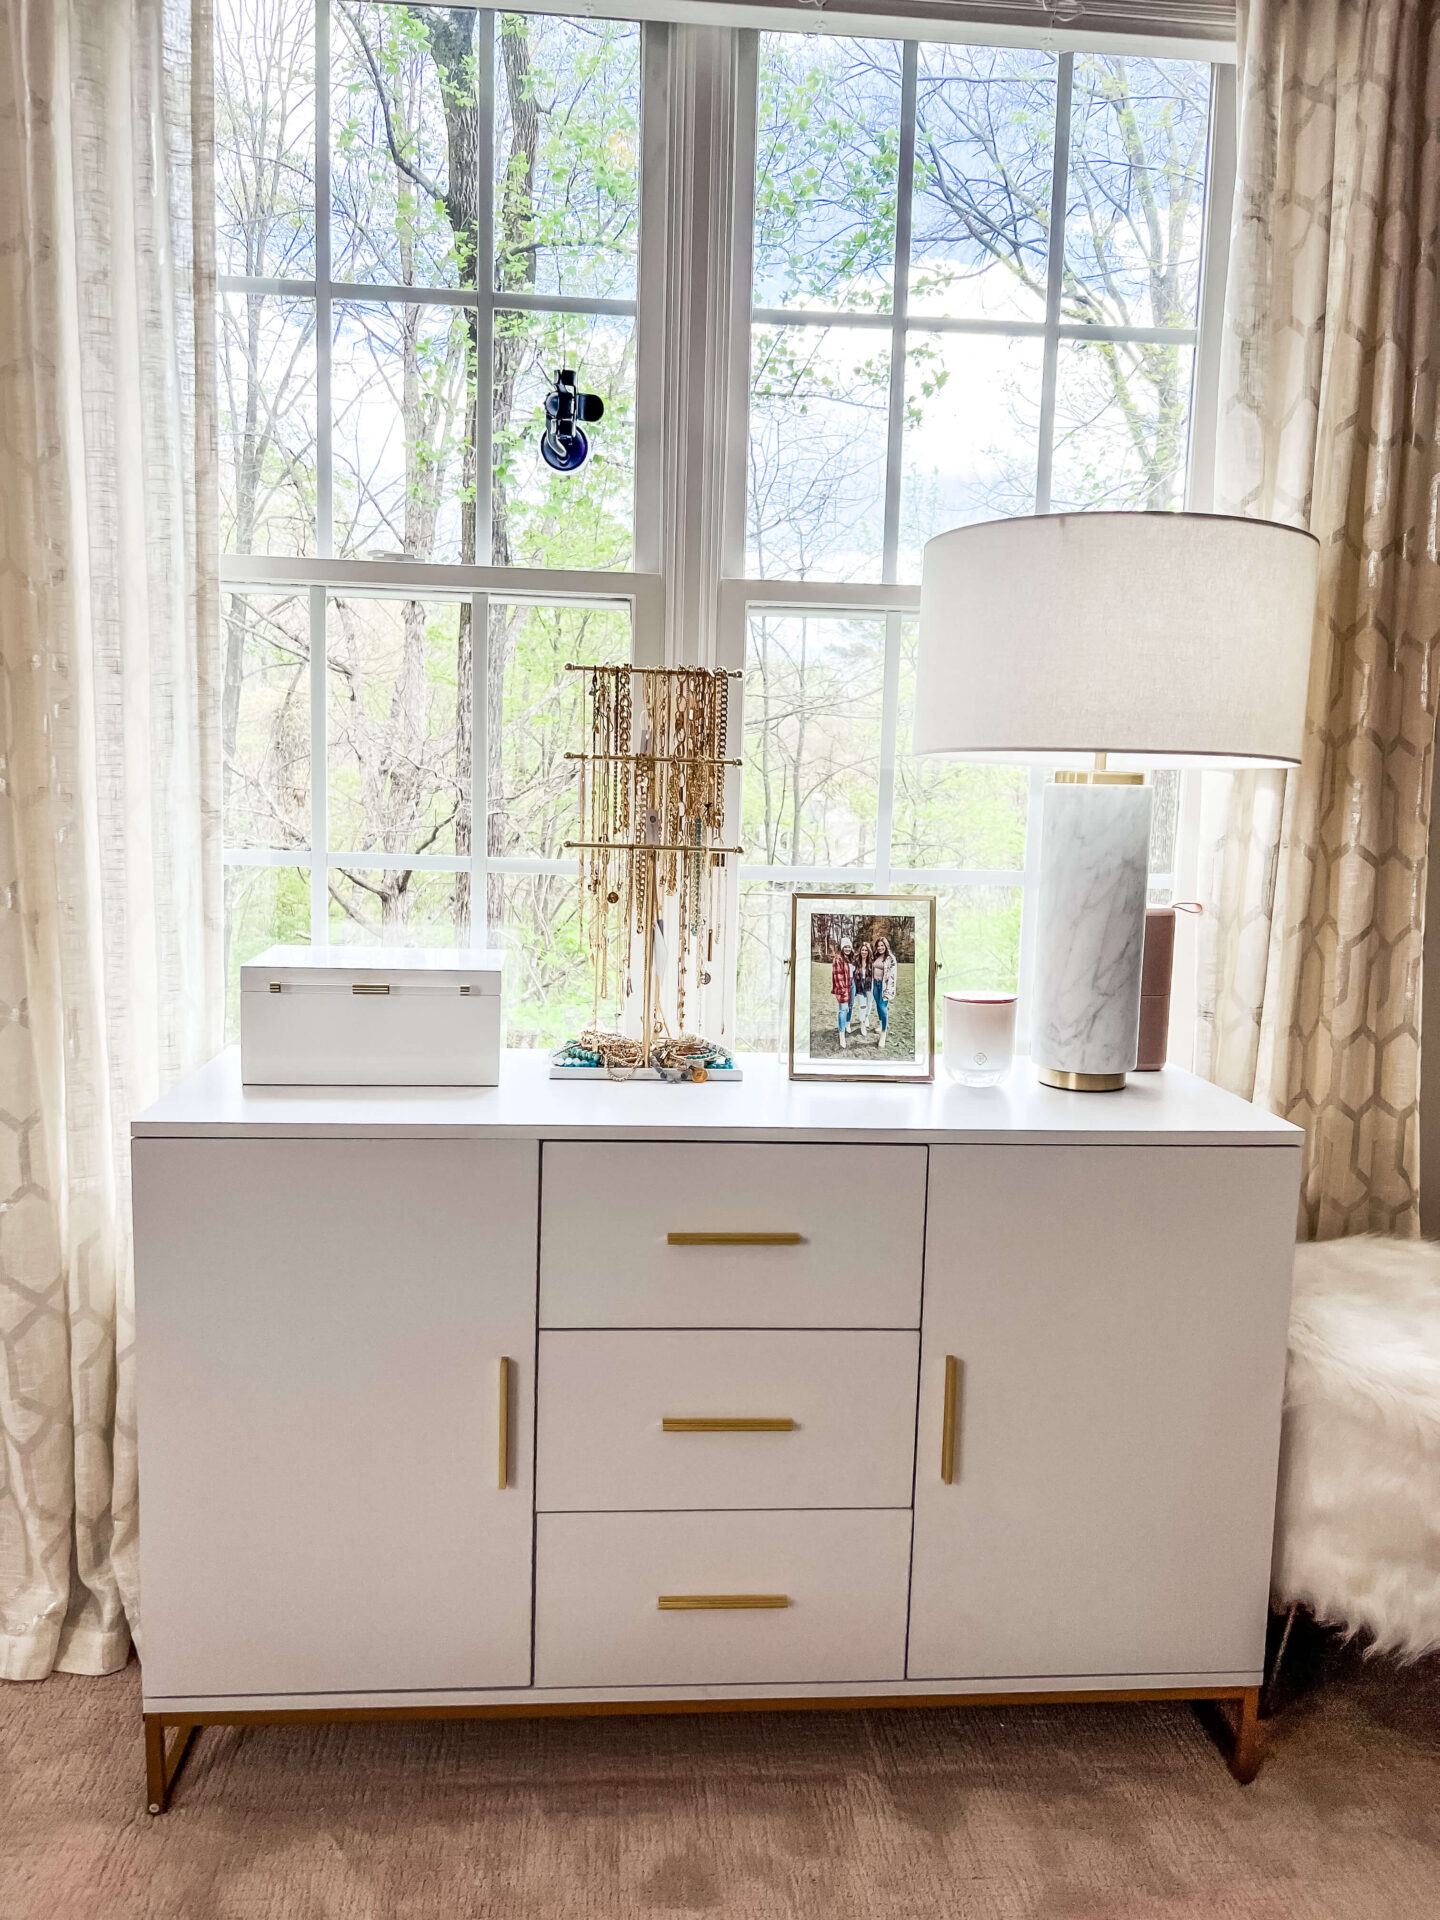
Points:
x=370 y=986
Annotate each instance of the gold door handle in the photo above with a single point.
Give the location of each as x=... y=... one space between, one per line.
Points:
x=947 y=1427
x=675 y=1423
x=503 y=1451
x=711 y=1602
x=735 y=1239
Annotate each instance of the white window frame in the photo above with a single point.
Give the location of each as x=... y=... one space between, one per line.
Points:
x=687 y=594
x=742 y=595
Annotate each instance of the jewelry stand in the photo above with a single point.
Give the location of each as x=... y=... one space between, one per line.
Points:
x=653 y=860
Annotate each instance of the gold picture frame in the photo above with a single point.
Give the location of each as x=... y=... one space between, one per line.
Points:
x=859 y=907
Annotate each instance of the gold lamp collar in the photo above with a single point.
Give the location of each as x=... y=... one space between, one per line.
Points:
x=1097 y=776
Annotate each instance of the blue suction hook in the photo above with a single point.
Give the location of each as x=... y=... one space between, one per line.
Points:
x=563 y=445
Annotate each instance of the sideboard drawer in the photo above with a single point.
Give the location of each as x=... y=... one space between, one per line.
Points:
x=832 y=1588
x=673 y=1234
x=615 y=1406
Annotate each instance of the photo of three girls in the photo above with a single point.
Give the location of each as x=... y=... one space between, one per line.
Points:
x=862 y=987
x=863 y=982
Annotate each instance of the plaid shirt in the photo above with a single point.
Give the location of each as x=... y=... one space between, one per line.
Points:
x=840 y=982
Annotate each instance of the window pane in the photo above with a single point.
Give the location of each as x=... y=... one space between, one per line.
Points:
x=543 y=518
x=264 y=907
x=548 y=983
x=984 y=160
x=265 y=138
x=567 y=155
x=398 y=907
x=952 y=813
x=977 y=941
x=404 y=455
x=1122 y=425
x=813 y=695
x=266 y=378
x=535 y=718
x=1133 y=222
x=826 y=159
x=399 y=680
x=265 y=720
x=972 y=419
x=763 y=983
x=762 y=999
x=819 y=399
x=405 y=168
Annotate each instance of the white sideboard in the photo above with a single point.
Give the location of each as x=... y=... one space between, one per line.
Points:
x=593 y=1397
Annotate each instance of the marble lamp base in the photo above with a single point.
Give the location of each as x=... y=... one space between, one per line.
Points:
x=1090 y=934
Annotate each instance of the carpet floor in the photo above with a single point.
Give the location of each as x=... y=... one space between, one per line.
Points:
x=1035 y=1813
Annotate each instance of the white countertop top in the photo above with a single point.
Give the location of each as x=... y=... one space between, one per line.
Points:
x=1167 y=1107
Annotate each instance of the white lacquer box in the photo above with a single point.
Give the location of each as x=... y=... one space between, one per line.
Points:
x=371 y=1017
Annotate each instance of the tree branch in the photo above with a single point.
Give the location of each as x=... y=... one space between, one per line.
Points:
x=406 y=165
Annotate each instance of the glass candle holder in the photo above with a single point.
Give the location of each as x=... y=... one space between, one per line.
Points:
x=979 y=1037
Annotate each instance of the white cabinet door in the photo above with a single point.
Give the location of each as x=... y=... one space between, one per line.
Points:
x=321 y=1326
x=1118 y=1316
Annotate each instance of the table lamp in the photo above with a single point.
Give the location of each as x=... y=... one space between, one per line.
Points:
x=1102 y=644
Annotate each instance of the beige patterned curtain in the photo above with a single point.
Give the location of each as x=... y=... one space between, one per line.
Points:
x=1315 y=880
x=110 y=875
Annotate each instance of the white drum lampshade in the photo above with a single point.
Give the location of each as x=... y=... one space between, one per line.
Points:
x=1146 y=639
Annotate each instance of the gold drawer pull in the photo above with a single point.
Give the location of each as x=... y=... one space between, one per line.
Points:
x=947 y=1429
x=503 y=1400
x=711 y=1602
x=677 y=1424
x=371 y=986
x=736 y=1239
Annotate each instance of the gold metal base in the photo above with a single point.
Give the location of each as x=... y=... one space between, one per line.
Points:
x=1237 y=1734
x=1080 y=1082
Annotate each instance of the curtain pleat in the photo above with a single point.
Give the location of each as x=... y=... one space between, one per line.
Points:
x=1315 y=881
x=110 y=876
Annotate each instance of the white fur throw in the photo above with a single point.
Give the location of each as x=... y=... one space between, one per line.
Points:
x=1358 y=1539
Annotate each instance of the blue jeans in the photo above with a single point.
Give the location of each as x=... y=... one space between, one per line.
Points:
x=842 y=1014
x=882 y=1007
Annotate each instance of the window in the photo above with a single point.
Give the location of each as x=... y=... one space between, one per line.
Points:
x=978 y=288
x=407 y=195
x=976 y=292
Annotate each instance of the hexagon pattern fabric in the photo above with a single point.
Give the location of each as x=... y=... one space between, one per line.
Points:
x=1314 y=881
x=110 y=976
